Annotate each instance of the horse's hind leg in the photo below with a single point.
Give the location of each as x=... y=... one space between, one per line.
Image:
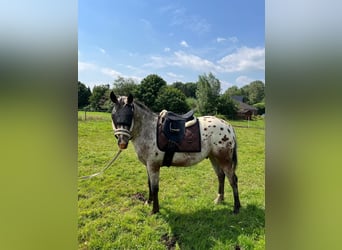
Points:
x=233 y=181
x=220 y=176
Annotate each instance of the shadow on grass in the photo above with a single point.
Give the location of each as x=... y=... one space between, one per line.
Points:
x=205 y=229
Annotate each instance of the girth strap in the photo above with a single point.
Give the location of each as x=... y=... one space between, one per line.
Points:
x=169 y=153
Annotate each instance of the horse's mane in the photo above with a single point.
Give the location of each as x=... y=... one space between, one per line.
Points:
x=144 y=107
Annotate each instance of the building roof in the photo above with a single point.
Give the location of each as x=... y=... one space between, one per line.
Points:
x=243 y=107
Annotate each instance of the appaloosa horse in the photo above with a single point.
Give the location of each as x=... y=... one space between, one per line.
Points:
x=132 y=120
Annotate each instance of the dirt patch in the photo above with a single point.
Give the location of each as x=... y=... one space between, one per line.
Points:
x=169 y=241
x=138 y=196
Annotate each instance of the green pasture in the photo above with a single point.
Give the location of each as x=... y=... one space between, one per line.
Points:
x=111 y=210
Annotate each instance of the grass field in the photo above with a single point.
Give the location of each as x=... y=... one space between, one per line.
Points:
x=112 y=214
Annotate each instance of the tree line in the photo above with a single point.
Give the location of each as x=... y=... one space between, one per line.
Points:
x=204 y=95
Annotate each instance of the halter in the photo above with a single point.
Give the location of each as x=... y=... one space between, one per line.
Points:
x=124 y=117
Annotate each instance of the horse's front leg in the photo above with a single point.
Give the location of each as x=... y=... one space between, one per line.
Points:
x=153 y=182
x=149 y=200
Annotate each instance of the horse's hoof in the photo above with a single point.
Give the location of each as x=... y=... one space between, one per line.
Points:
x=236 y=210
x=154 y=212
x=219 y=199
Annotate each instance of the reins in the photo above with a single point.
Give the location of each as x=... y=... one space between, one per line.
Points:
x=104 y=169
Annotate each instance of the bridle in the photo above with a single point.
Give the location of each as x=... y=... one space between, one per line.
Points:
x=124 y=117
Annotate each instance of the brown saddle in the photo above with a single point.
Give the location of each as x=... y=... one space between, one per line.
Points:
x=177 y=133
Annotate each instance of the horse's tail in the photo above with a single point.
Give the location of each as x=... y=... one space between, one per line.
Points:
x=234 y=157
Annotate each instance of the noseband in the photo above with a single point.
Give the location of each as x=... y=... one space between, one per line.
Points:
x=124 y=117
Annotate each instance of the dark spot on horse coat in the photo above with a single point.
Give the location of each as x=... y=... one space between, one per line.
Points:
x=214 y=126
x=225 y=138
x=205 y=129
x=228 y=130
x=221 y=128
x=156 y=153
x=219 y=142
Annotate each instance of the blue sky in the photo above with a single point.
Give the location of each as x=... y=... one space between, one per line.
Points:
x=178 y=40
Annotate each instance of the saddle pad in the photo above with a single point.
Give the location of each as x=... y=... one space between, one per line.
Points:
x=190 y=143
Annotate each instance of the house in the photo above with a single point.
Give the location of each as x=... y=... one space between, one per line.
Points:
x=244 y=111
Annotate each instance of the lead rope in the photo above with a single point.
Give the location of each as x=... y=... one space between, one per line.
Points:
x=104 y=169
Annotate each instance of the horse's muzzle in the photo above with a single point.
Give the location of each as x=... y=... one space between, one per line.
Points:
x=123 y=145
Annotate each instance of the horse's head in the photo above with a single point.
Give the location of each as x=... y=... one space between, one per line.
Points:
x=122 y=118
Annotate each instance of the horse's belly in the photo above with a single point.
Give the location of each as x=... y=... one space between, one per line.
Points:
x=188 y=159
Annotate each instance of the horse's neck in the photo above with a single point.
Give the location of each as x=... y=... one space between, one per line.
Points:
x=145 y=123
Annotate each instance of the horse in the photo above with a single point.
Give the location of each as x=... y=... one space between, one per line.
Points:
x=133 y=121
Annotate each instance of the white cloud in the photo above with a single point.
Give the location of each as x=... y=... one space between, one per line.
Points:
x=167 y=49
x=146 y=24
x=86 y=66
x=243 y=80
x=115 y=74
x=111 y=72
x=220 y=39
x=173 y=75
x=184 y=44
x=183 y=59
x=244 y=59
x=194 y=23
x=233 y=39
x=103 y=51
x=157 y=62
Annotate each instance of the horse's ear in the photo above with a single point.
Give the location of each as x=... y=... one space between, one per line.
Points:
x=113 y=97
x=130 y=99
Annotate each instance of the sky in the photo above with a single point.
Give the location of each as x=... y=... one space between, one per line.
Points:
x=177 y=40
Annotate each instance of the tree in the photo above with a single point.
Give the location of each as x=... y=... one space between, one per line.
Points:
x=179 y=85
x=226 y=106
x=99 y=100
x=188 y=89
x=125 y=86
x=234 y=90
x=252 y=93
x=149 y=90
x=83 y=95
x=256 y=92
x=207 y=93
x=261 y=107
x=172 y=99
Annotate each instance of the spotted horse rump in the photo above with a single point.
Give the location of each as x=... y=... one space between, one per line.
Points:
x=177 y=133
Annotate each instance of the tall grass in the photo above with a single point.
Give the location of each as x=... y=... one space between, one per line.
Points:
x=112 y=214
